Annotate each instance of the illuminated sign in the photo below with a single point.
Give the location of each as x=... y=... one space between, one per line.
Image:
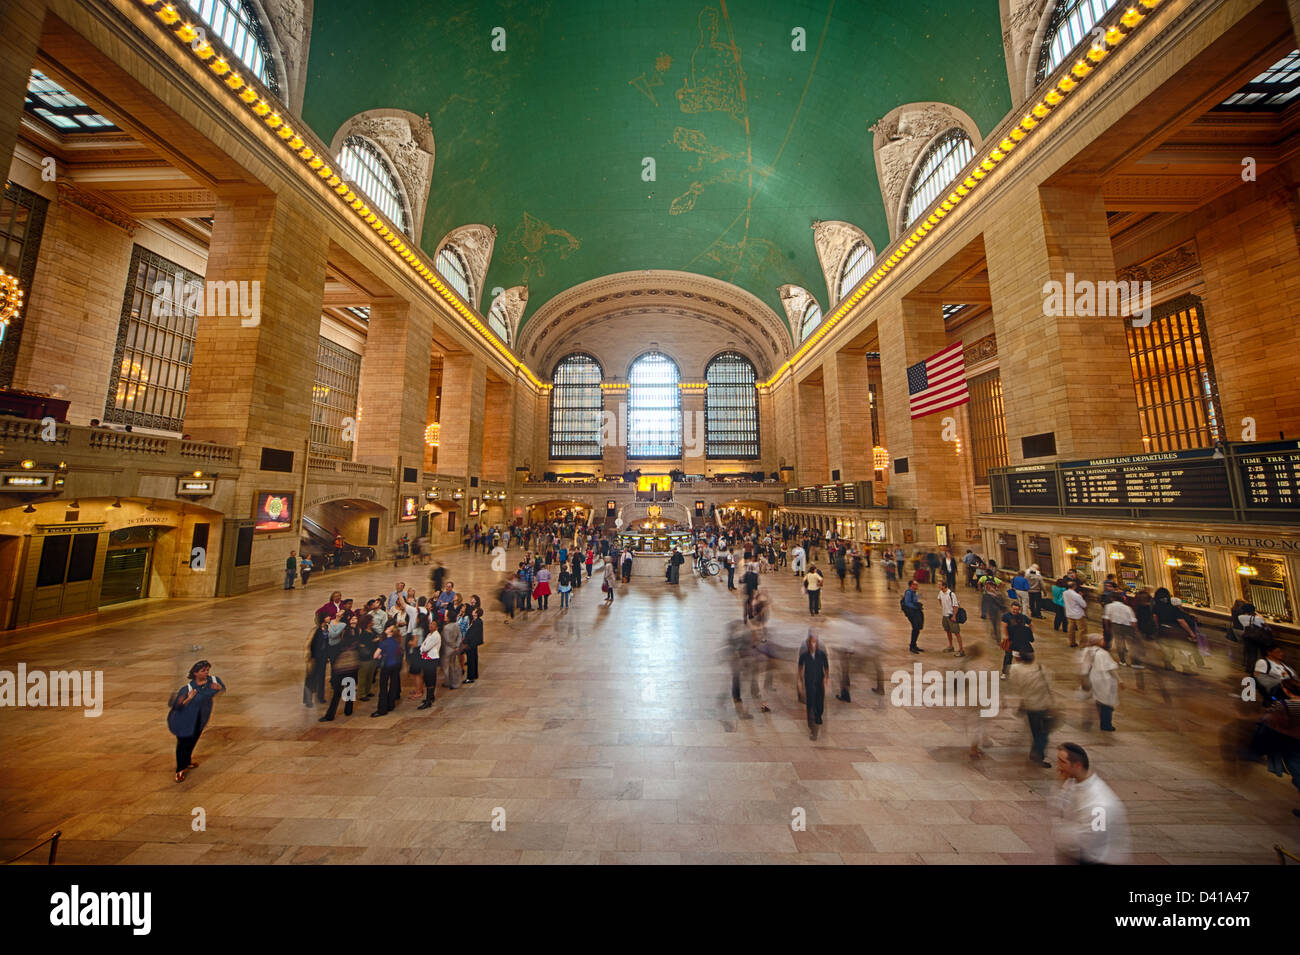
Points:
x=273 y=511
x=195 y=487
x=27 y=480
x=410 y=505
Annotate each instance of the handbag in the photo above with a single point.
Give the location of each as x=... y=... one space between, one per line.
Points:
x=604 y=586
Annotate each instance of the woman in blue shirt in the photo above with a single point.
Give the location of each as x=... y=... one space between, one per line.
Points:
x=190 y=710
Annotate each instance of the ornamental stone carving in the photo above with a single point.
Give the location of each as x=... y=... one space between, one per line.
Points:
x=980 y=350
x=474 y=243
x=288 y=28
x=833 y=240
x=406 y=140
x=1161 y=270
x=1023 y=25
x=795 y=299
x=111 y=214
x=514 y=300
x=901 y=137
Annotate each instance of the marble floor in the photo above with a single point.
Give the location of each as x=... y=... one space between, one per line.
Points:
x=597 y=736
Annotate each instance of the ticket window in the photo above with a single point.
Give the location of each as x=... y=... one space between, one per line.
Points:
x=1078 y=557
x=1009 y=545
x=1264 y=583
x=1130 y=566
x=1188 y=580
x=1040 y=553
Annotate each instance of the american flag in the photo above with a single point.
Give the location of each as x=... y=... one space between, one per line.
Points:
x=938 y=383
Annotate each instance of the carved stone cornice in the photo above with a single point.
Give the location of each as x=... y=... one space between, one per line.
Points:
x=795 y=299
x=407 y=140
x=981 y=350
x=899 y=138
x=1163 y=270
x=475 y=243
x=70 y=193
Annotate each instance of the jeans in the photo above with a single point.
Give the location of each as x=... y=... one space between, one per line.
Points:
x=564 y=599
x=814 y=601
x=1104 y=713
x=288 y=579
x=1038 y=731
x=1059 y=622
x=1035 y=603
x=336 y=682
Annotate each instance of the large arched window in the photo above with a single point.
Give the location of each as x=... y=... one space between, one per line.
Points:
x=943 y=159
x=576 y=407
x=654 y=408
x=451 y=265
x=239 y=27
x=812 y=317
x=730 y=408
x=1071 y=23
x=366 y=166
x=499 y=319
x=856 y=265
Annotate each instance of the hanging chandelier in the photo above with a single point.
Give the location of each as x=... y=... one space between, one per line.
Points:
x=880 y=458
x=431 y=434
x=11 y=297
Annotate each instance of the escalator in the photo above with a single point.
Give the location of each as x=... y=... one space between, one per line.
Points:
x=319 y=543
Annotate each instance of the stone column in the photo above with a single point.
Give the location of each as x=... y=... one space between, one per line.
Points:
x=464 y=392
x=20 y=33
x=498 y=429
x=848 y=415
x=73 y=310
x=932 y=482
x=393 y=396
x=810 y=430
x=1067 y=374
x=614 y=453
x=693 y=427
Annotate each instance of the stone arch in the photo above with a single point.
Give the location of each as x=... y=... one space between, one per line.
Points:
x=288 y=29
x=834 y=240
x=796 y=299
x=474 y=242
x=901 y=137
x=406 y=141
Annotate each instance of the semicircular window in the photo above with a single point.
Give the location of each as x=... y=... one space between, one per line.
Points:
x=1071 y=23
x=364 y=165
x=239 y=27
x=943 y=159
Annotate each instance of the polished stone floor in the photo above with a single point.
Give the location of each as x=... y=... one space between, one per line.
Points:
x=597 y=736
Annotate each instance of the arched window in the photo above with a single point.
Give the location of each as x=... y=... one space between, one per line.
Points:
x=240 y=28
x=856 y=265
x=943 y=159
x=1072 y=21
x=730 y=408
x=366 y=166
x=576 y=407
x=812 y=317
x=498 y=319
x=451 y=266
x=654 y=408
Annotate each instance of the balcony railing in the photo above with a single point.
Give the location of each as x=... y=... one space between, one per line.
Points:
x=70 y=439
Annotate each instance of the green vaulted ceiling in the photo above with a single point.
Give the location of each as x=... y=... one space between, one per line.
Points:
x=751 y=139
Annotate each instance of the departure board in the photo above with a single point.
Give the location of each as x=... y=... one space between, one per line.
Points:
x=1032 y=487
x=1270 y=475
x=1176 y=479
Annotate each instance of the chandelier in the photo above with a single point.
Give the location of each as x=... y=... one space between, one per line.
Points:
x=431 y=434
x=880 y=458
x=11 y=297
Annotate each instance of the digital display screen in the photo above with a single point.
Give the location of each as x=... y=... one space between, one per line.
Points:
x=1032 y=487
x=1270 y=475
x=410 y=508
x=1182 y=479
x=273 y=511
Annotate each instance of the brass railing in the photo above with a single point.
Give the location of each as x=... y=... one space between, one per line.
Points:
x=54 y=848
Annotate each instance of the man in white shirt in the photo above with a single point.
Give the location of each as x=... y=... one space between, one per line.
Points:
x=1076 y=613
x=797 y=560
x=1121 y=621
x=1091 y=827
x=948 y=605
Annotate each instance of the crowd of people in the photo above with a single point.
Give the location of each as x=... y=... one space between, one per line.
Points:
x=360 y=650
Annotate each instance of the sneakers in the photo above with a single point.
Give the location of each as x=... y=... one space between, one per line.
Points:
x=960 y=653
x=1004 y=676
x=947 y=649
x=468 y=682
x=1137 y=666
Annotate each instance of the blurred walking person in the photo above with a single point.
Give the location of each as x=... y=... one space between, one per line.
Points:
x=814 y=674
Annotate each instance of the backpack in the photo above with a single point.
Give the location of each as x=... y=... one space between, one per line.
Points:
x=959 y=616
